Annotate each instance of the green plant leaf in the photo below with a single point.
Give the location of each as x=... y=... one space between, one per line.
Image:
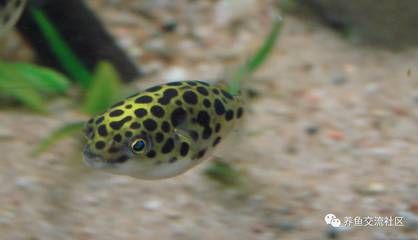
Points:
x=42 y=79
x=13 y=84
x=258 y=58
x=105 y=89
x=223 y=173
x=65 y=131
x=69 y=61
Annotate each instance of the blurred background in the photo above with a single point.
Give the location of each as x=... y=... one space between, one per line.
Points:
x=330 y=126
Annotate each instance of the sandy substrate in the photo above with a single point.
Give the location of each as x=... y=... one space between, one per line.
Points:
x=332 y=129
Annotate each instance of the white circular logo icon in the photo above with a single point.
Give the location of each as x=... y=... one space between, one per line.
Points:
x=335 y=222
x=332 y=220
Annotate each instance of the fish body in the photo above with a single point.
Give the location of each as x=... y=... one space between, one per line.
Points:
x=162 y=131
x=10 y=11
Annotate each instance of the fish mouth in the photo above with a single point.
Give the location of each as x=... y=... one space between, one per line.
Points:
x=93 y=160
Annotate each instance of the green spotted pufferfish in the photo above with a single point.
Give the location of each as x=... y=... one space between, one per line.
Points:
x=162 y=131
x=167 y=129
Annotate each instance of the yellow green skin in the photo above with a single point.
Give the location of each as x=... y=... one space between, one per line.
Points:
x=176 y=125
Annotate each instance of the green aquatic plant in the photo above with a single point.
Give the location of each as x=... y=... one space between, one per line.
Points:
x=254 y=62
x=30 y=84
x=69 y=61
x=104 y=89
x=223 y=173
x=219 y=171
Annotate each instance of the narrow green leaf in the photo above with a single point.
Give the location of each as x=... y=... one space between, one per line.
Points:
x=65 y=131
x=42 y=79
x=261 y=56
x=15 y=85
x=257 y=59
x=69 y=61
x=104 y=90
x=223 y=172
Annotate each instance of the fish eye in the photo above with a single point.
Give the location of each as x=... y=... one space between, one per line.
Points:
x=138 y=145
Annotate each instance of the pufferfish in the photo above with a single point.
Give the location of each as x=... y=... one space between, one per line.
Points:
x=163 y=131
x=10 y=11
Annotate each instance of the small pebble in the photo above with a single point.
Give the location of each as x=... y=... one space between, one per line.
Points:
x=25 y=183
x=169 y=26
x=371 y=189
x=175 y=74
x=311 y=129
x=339 y=80
x=152 y=205
x=335 y=135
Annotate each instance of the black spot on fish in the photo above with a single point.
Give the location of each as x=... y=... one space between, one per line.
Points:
x=116 y=125
x=151 y=154
x=140 y=112
x=157 y=111
x=175 y=84
x=203 y=118
x=99 y=120
x=128 y=134
x=116 y=113
x=178 y=116
x=150 y=124
x=215 y=91
x=206 y=103
x=100 y=145
x=203 y=83
x=135 y=125
x=165 y=126
x=129 y=106
x=167 y=96
x=159 y=137
x=190 y=97
x=102 y=130
x=227 y=94
x=201 y=153
x=229 y=115
x=117 y=138
x=168 y=146
x=219 y=107
x=207 y=131
x=143 y=99
x=184 y=149
x=217 y=127
x=216 y=141
x=203 y=91
x=239 y=112
x=120 y=103
x=191 y=83
x=153 y=89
